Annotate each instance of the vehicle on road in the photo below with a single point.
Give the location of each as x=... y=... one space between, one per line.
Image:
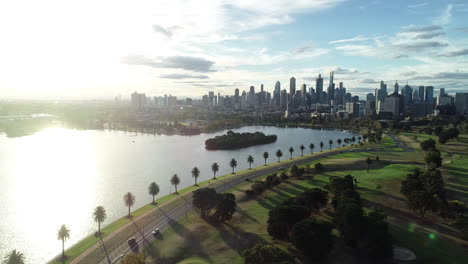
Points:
x=133 y=244
x=155 y=232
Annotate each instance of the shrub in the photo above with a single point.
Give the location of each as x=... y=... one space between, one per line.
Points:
x=284 y=176
x=318 y=166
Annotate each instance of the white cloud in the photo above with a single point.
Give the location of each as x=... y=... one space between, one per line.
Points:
x=445 y=17
x=355 y=39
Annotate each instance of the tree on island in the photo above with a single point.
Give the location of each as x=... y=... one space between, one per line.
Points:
x=15 y=257
x=129 y=201
x=279 y=154
x=250 y=160
x=233 y=165
x=175 y=180
x=311 y=146
x=99 y=216
x=321 y=146
x=195 y=174
x=153 y=190
x=302 y=150
x=330 y=142
x=214 y=168
x=369 y=162
x=265 y=156
x=291 y=150
x=339 y=142
x=63 y=234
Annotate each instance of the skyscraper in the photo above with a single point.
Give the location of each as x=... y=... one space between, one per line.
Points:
x=331 y=89
x=319 y=89
x=277 y=93
x=303 y=90
x=292 y=86
x=429 y=94
x=421 y=94
x=396 y=88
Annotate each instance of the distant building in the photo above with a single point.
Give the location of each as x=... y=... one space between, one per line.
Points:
x=331 y=89
x=292 y=86
x=461 y=103
x=429 y=94
x=138 y=101
x=421 y=94
x=370 y=97
x=319 y=89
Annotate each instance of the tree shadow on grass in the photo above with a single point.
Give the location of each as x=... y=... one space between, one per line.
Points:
x=291 y=191
x=379 y=193
x=244 y=214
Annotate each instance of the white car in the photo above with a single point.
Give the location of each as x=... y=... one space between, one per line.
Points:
x=155 y=232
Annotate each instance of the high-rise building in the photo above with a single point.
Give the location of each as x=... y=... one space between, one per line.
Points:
x=415 y=95
x=429 y=94
x=396 y=88
x=370 y=97
x=138 y=101
x=381 y=93
x=331 y=89
x=421 y=94
x=283 y=100
x=292 y=86
x=407 y=93
x=461 y=103
x=319 y=89
x=442 y=92
x=303 y=90
x=277 y=93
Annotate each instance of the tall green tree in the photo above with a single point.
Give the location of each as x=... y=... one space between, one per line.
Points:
x=311 y=147
x=63 y=234
x=339 y=142
x=129 y=201
x=369 y=162
x=214 y=168
x=175 y=180
x=321 y=146
x=205 y=199
x=233 y=165
x=291 y=150
x=265 y=156
x=279 y=153
x=250 y=160
x=195 y=174
x=302 y=150
x=330 y=142
x=265 y=254
x=225 y=207
x=14 y=257
x=99 y=215
x=313 y=238
x=153 y=190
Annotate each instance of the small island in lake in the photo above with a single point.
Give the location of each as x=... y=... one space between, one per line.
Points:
x=232 y=140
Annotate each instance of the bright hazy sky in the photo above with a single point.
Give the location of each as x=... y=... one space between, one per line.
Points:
x=100 y=49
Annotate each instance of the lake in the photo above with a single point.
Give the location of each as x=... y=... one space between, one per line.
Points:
x=58 y=176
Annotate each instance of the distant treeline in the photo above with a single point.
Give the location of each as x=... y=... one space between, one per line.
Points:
x=233 y=140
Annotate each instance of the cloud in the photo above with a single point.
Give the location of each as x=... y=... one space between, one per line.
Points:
x=303 y=49
x=373 y=81
x=362 y=50
x=420 y=29
x=180 y=76
x=447 y=75
x=168 y=32
x=173 y=62
x=358 y=38
x=428 y=35
x=455 y=53
x=445 y=17
x=462 y=29
x=418 y=46
x=417 y=5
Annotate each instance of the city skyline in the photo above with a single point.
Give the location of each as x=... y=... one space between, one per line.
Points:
x=188 y=48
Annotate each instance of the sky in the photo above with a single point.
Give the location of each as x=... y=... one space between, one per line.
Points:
x=59 y=49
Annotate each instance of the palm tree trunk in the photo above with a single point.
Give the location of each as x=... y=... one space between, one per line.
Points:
x=250 y=166
x=176 y=188
x=129 y=211
x=265 y=162
x=153 y=199
x=99 y=227
x=63 y=250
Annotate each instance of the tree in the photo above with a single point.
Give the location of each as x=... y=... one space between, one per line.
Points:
x=376 y=238
x=369 y=162
x=359 y=139
x=175 y=180
x=282 y=218
x=129 y=201
x=214 y=168
x=265 y=156
x=264 y=254
x=99 y=216
x=438 y=130
x=195 y=174
x=250 y=160
x=433 y=158
x=349 y=219
x=153 y=190
x=428 y=144
x=302 y=150
x=279 y=154
x=205 y=199
x=14 y=257
x=321 y=146
x=422 y=201
x=225 y=207
x=133 y=258
x=63 y=234
x=313 y=238
x=314 y=199
x=330 y=142
x=311 y=147
x=339 y=142
x=353 y=139
x=291 y=150
x=233 y=164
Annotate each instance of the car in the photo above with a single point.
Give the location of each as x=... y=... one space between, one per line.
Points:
x=280 y=168
x=155 y=232
x=132 y=243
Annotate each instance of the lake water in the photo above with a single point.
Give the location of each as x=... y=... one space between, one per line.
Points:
x=58 y=176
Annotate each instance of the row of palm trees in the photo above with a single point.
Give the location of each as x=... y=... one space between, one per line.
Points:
x=99 y=213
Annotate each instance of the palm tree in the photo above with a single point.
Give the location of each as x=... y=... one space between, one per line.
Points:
x=153 y=190
x=279 y=154
x=233 y=164
x=63 y=234
x=214 y=168
x=250 y=160
x=339 y=142
x=195 y=174
x=321 y=146
x=359 y=139
x=369 y=162
x=353 y=139
x=175 y=180
x=291 y=150
x=330 y=142
x=15 y=257
x=99 y=215
x=129 y=201
x=302 y=150
x=265 y=156
x=311 y=146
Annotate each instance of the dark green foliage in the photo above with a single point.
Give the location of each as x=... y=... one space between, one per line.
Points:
x=296 y=171
x=422 y=201
x=232 y=140
x=318 y=166
x=349 y=220
x=14 y=257
x=428 y=144
x=225 y=207
x=377 y=240
x=314 y=199
x=282 y=218
x=338 y=184
x=272 y=180
x=448 y=134
x=284 y=176
x=313 y=238
x=438 y=130
x=265 y=254
x=205 y=199
x=433 y=158
x=369 y=162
